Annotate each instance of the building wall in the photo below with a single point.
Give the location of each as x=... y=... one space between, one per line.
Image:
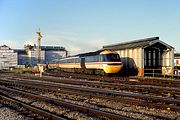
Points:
x=8 y=58
x=23 y=59
x=51 y=55
x=46 y=56
x=168 y=61
x=33 y=57
x=29 y=57
x=166 y=58
x=133 y=59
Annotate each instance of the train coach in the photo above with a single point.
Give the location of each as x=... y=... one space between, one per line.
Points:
x=98 y=62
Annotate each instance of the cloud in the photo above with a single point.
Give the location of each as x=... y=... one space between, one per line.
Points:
x=14 y=44
x=30 y=42
x=74 y=43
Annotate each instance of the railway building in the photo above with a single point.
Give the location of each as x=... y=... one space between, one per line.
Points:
x=8 y=57
x=140 y=56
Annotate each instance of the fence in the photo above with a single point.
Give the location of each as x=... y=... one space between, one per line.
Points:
x=161 y=73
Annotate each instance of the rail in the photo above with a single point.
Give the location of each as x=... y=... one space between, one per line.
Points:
x=71 y=106
x=106 y=94
x=134 y=86
x=36 y=110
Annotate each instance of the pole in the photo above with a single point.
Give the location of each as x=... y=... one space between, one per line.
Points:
x=39 y=36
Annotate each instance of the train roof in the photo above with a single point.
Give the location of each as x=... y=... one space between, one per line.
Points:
x=89 y=53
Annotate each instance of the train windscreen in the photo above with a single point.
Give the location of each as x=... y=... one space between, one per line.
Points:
x=110 y=58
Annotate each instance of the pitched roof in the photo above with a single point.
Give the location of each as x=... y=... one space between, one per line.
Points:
x=141 y=43
x=5 y=47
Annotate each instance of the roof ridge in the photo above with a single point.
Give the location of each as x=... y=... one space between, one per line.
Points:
x=135 y=41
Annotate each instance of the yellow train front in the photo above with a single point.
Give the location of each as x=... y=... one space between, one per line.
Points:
x=97 y=62
x=110 y=62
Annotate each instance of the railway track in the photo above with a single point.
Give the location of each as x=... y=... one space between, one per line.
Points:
x=87 y=110
x=35 y=110
x=52 y=87
x=126 y=80
x=162 y=82
x=138 y=99
x=143 y=89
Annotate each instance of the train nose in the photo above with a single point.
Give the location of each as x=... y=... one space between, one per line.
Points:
x=113 y=68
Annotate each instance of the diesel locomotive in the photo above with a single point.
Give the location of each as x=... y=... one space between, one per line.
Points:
x=98 y=62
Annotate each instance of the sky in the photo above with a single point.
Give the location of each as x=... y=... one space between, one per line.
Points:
x=87 y=25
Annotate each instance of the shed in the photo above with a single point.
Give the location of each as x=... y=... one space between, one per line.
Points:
x=142 y=54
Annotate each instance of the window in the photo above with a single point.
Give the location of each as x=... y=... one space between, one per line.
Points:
x=177 y=62
x=92 y=58
x=110 y=58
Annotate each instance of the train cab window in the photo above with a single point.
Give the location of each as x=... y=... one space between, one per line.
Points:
x=110 y=58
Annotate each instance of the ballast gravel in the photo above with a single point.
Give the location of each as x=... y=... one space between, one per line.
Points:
x=133 y=111
x=9 y=114
x=62 y=111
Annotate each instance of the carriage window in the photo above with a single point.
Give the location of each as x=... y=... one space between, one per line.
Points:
x=92 y=58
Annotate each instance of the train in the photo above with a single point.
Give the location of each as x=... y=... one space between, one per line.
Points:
x=102 y=62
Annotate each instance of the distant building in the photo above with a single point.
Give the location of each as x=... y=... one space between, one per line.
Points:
x=29 y=55
x=54 y=53
x=33 y=56
x=8 y=58
x=22 y=56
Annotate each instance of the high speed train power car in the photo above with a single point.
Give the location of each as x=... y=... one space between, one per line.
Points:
x=99 y=62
